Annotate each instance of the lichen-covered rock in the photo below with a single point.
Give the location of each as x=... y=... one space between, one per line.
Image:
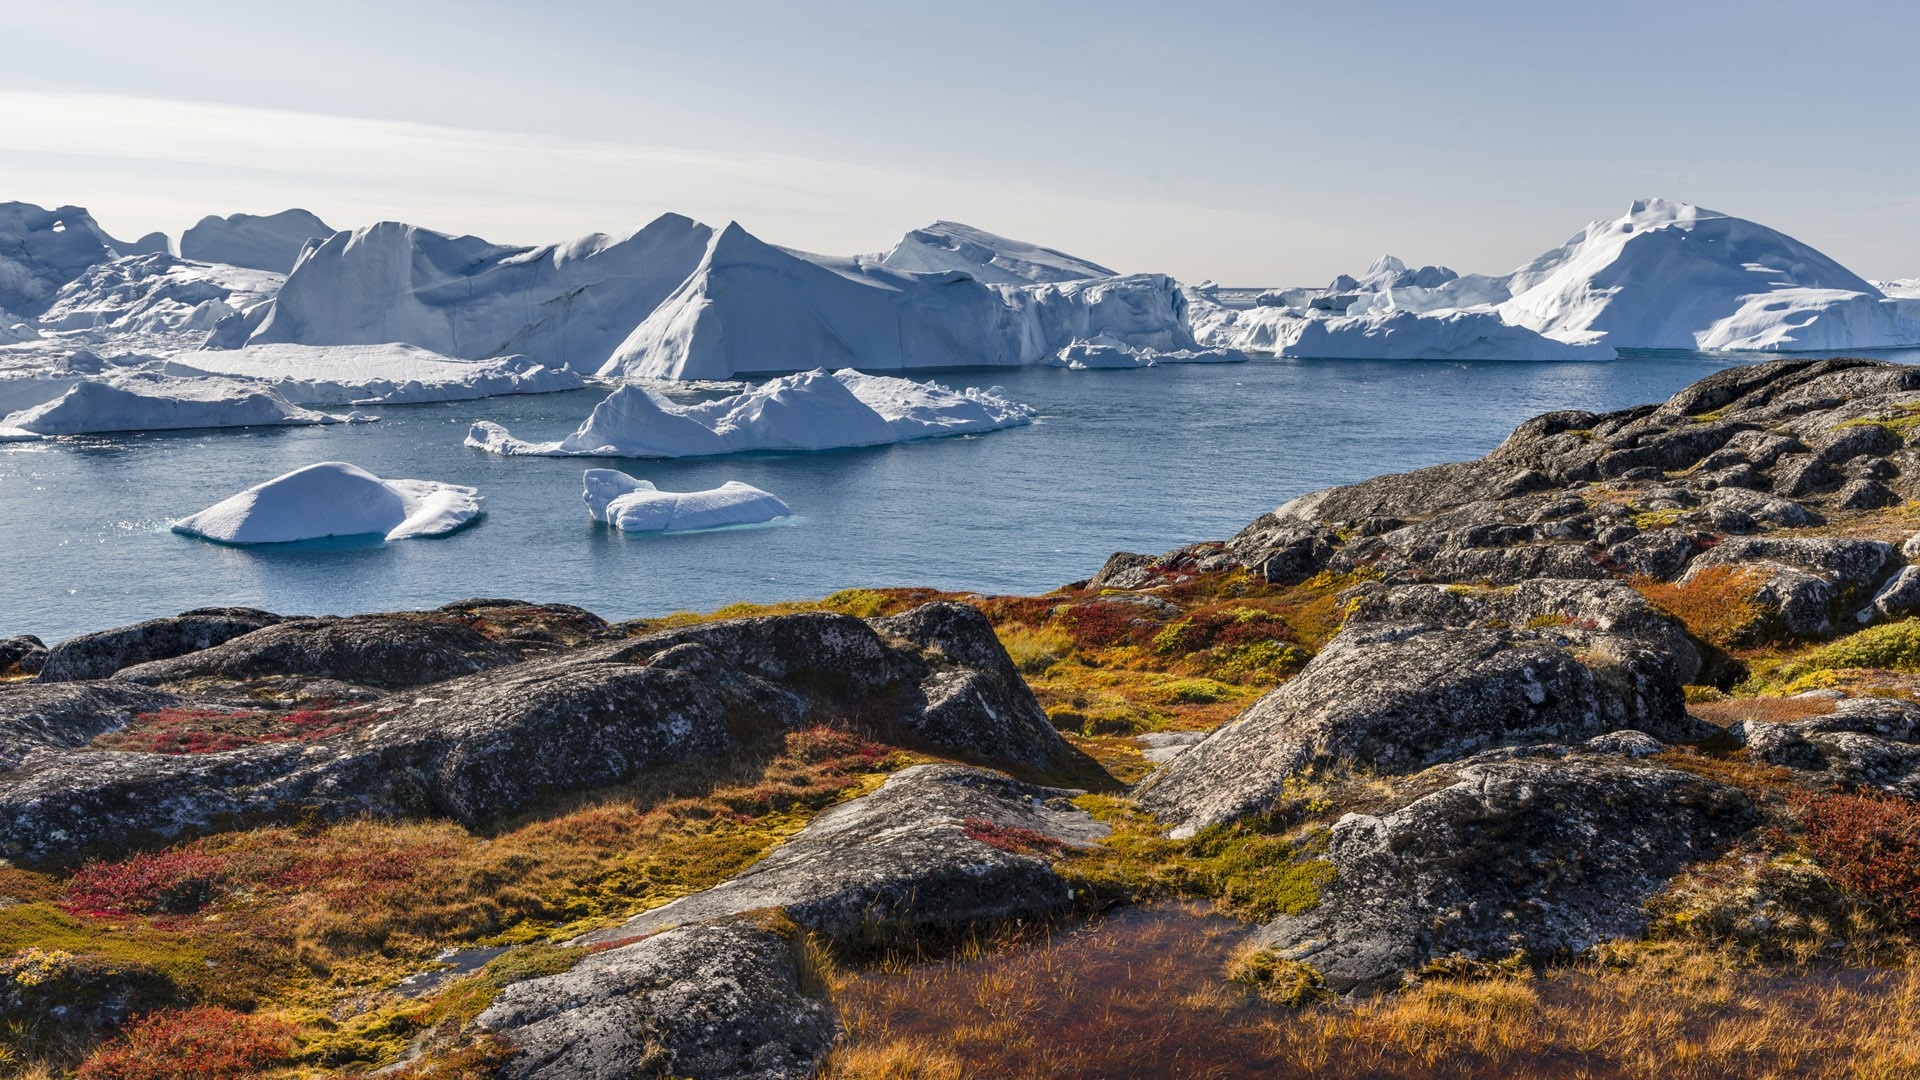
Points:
x=1426 y=674
x=367 y=650
x=22 y=655
x=1544 y=856
x=1897 y=599
x=936 y=847
x=100 y=654
x=1863 y=742
x=35 y=716
x=504 y=737
x=726 y=1000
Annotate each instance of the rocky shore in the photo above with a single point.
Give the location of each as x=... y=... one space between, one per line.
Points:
x=1514 y=741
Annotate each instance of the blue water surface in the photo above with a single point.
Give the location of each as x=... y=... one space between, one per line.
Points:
x=1140 y=460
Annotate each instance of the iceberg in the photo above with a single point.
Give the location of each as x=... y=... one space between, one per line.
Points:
x=334 y=498
x=153 y=301
x=374 y=374
x=564 y=305
x=41 y=250
x=1474 y=334
x=813 y=410
x=271 y=242
x=149 y=402
x=997 y=260
x=753 y=308
x=633 y=505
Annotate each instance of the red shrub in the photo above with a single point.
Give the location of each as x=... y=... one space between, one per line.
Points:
x=1870 y=844
x=163 y=883
x=821 y=744
x=207 y=731
x=202 y=1043
x=1104 y=623
x=1013 y=838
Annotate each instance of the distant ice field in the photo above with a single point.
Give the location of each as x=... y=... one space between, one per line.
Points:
x=1140 y=460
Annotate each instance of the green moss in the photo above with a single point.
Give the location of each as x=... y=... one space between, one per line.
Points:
x=1902 y=422
x=45 y=927
x=1199 y=691
x=1657 y=519
x=1893 y=646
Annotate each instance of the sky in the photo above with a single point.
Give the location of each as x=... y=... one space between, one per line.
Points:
x=1252 y=143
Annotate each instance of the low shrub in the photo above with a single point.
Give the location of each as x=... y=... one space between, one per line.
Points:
x=1034 y=649
x=201 y=1043
x=1870 y=844
x=1718 y=605
x=1278 y=980
x=1013 y=838
x=176 y=882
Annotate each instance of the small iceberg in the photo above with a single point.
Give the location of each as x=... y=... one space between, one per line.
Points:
x=159 y=403
x=334 y=498
x=814 y=410
x=633 y=505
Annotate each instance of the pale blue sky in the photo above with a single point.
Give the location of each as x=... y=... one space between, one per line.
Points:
x=1262 y=143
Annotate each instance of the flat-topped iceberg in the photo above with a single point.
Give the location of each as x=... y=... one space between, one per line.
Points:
x=261 y=242
x=814 y=410
x=1480 y=334
x=376 y=374
x=147 y=402
x=334 y=498
x=633 y=505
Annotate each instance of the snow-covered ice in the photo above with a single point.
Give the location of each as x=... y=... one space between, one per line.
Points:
x=563 y=305
x=149 y=402
x=153 y=301
x=1476 y=334
x=334 y=498
x=997 y=260
x=753 y=308
x=42 y=249
x=813 y=410
x=259 y=242
x=634 y=505
x=375 y=374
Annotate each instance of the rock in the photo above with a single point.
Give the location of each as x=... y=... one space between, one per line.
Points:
x=502 y=739
x=1629 y=743
x=936 y=847
x=1161 y=747
x=98 y=655
x=1426 y=674
x=387 y=651
x=1864 y=742
x=22 y=655
x=1897 y=599
x=720 y=1000
x=1125 y=570
x=1543 y=856
x=68 y=715
x=1865 y=495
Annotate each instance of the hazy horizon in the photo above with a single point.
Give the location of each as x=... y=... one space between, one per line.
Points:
x=1258 y=144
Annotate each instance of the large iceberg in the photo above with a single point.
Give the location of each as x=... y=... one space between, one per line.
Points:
x=375 y=374
x=334 y=498
x=41 y=250
x=1475 y=334
x=633 y=505
x=271 y=242
x=149 y=402
x=813 y=410
x=153 y=301
x=564 y=305
x=997 y=260
x=753 y=308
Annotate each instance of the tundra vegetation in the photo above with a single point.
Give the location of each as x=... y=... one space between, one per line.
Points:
x=1688 y=673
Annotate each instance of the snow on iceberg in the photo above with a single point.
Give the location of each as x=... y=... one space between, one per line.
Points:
x=1479 y=334
x=334 y=498
x=750 y=307
x=41 y=250
x=813 y=410
x=153 y=301
x=268 y=242
x=633 y=505
x=563 y=304
x=997 y=260
x=148 y=402
x=375 y=374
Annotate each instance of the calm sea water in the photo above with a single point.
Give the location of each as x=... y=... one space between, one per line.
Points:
x=1137 y=460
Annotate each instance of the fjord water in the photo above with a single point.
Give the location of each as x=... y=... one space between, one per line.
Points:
x=1140 y=460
